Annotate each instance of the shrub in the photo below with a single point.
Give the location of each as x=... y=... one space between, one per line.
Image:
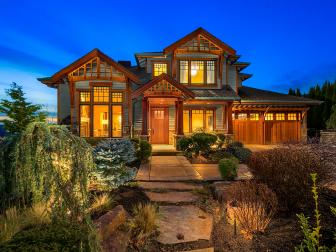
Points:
x=143 y=223
x=243 y=154
x=331 y=122
x=220 y=154
x=53 y=237
x=144 y=151
x=101 y=204
x=221 y=140
x=235 y=144
x=253 y=205
x=184 y=144
x=202 y=142
x=286 y=171
x=53 y=164
x=228 y=168
x=112 y=157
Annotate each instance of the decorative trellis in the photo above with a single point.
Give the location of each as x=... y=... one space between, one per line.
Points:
x=200 y=44
x=163 y=87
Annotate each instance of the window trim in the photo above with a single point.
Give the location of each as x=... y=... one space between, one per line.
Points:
x=205 y=72
x=109 y=104
x=204 y=117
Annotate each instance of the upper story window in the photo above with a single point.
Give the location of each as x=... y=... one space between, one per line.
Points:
x=85 y=96
x=197 y=72
x=159 y=68
x=101 y=94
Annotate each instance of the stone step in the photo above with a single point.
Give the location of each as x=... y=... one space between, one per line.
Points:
x=181 y=224
x=172 y=197
x=173 y=186
x=167 y=153
x=200 y=250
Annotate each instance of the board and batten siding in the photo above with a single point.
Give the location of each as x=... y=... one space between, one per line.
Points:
x=63 y=94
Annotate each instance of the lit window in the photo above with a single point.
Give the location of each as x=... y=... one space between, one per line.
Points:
x=197 y=72
x=184 y=69
x=280 y=116
x=242 y=116
x=117 y=97
x=186 y=121
x=85 y=96
x=100 y=121
x=233 y=116
x=101 y=94
x=269 y=117
x=116 y=121
x=209 y=120
x=291 y=117
x=197 y=119
x=159 y=68
x=254 y=117
x=84 y=130
x=210 y=72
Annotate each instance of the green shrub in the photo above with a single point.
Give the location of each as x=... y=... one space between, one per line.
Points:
x=53 y=237
x=221 y=140
x=184 y=143
x=202 y=142
x=228 y=168
x=101 y=204
x=217 y=155
x=144 y=151
x=112 y=158
x=286 y=171
x=235 y=144
x=243 y=154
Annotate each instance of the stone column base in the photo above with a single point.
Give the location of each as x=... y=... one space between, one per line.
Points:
x=229 y=138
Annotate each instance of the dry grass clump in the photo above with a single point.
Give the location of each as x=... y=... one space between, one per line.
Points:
x=14 y=220
x=252 y=205
x=143 y=224
x=286 y=171
x=101 y=204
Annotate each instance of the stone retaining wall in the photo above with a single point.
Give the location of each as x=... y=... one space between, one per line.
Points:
x=328 y=137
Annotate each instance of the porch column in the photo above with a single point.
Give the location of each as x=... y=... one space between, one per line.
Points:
x=179 y=117
x=144 y=130
x=229 y=118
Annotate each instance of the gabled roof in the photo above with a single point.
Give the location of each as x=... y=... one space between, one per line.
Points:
x=159 y=78
x=241 y=65
x=254 y=95
x=225 y=94
x=81 y=61
x=206 y=34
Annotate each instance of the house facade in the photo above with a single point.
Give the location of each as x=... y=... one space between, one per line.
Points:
x=194 y=83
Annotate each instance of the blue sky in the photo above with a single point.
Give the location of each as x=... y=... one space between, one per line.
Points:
x=289 y=43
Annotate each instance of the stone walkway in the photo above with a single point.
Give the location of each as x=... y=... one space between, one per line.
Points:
x=178 y=168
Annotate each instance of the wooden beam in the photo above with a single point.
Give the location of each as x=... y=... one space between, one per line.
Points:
x=229 y=118
x=144 y=131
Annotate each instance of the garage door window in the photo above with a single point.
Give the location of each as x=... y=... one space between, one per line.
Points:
x=269 y=117
x=292 y=117
x=254 y=117
x=280 y=116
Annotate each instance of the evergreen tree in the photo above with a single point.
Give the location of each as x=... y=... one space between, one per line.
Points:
x=19 y=111
x=331 y=122
x=298 y=92
x=291 y=91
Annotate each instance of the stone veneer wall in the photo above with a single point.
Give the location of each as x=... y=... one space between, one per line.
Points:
x=328 y=137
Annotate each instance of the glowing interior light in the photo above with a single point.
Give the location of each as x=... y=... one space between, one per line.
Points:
x=193 y=72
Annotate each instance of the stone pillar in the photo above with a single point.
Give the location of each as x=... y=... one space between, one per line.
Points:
x=144 y=131
x=303 y=128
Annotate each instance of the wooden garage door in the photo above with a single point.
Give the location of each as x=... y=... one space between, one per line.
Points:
x=282 y=131
x=248 y=132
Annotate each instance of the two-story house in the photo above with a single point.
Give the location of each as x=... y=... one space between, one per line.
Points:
x=194 y=83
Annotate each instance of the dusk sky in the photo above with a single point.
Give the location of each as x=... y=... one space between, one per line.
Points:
x=289 y=43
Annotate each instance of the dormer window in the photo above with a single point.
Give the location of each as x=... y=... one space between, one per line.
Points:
x=197 y=72
x=159 y=68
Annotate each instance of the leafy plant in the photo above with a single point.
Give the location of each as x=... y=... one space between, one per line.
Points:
x=228 y=168
x=312 y=235
x=243 y=154
x=202 y=142
x=253 y=205
x=219 y=154
x=144 y=151
x=112 y=157
x=143 y=223
x=184 y=143
x=286 y=171
x=53 y=165
x=19 y=111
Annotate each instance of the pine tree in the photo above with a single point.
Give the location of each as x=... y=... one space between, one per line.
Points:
x=291 y=91
x=298 y=92
x=19 y=111
x=331 y=122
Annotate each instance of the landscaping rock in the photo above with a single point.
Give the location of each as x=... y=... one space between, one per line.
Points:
x=172 y=197
x=187 y=222
x=109 y=222
x=220 y=189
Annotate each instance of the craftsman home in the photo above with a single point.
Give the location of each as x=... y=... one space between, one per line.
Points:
x=194 y=83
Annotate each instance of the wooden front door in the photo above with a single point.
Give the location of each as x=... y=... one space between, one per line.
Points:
x=159 y=126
